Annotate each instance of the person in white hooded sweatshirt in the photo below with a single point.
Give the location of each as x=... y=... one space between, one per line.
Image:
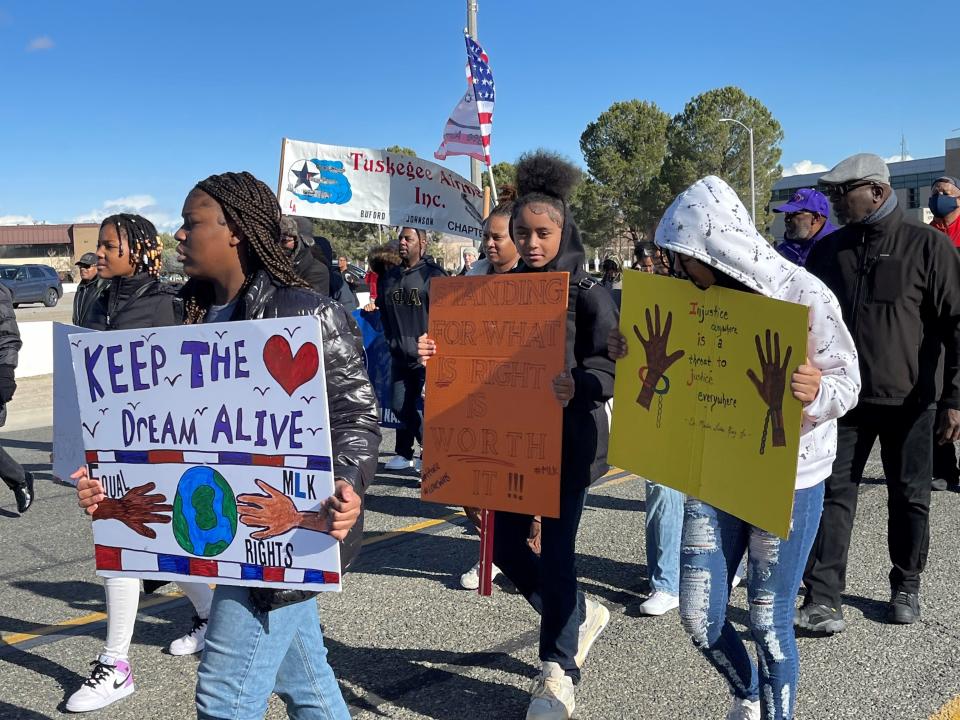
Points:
x=712 y=241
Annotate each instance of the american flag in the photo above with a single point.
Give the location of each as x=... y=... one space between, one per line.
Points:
x=467 y=131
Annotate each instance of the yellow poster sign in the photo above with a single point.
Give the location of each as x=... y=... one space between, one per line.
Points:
x=702 y=402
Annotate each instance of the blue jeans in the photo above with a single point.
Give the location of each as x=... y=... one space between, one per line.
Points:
x=713 y=543
x=249 y=655
x=548 y=582
x=664 y=526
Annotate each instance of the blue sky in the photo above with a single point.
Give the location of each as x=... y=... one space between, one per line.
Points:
x=125 y=105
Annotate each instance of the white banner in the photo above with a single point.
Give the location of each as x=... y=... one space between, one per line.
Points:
x=213 y=446
x=375 y=186
x=67 y=433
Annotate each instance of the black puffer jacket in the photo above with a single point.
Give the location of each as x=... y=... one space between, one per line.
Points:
x=898 y=284
x=139 y=301
x=316 y=273
x=591 y=314
x=85 y=298
x=354 y=429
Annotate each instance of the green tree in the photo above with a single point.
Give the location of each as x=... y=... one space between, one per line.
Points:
x=699 y=144
x=596 y=212
x=401 y=150
x=504 y=173
x=624 y=149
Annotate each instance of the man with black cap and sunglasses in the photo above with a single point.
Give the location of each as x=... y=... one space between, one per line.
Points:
x=89 y=288
x=898 y=284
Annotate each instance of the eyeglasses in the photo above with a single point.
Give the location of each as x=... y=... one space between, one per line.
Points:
x=792 y=215
x=838 y=191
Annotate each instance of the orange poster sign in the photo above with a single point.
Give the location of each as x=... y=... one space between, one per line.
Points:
x=493 y=428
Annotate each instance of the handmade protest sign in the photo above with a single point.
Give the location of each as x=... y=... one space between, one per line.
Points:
x=376 y=186
x=702 y=401
x=212 y=443
x=493 y=427
x=68 y=451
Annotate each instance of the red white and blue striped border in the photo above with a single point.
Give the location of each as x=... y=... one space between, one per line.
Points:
x=193 y=457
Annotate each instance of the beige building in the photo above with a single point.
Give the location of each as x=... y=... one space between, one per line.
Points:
x=58 y=246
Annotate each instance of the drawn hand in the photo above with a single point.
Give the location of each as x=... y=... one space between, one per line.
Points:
x=617 y=344
x=274 y=512
x=136 y=510
x=426 y=348
x=658 y=361
x=772 y=385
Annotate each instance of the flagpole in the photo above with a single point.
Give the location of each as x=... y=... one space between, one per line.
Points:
x=493 y=185
x=476 y=173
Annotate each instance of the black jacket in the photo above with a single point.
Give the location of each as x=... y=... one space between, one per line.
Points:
x=10 y=345
x=140 y=301
x=87 y=294
x=315 y=272
x=354 y=429
x=404 y=302
x=898 y=284
x=591 y=314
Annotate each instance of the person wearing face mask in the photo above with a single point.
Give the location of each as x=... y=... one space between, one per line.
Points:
x=806 y=222
x=945 y=206
x=898 y=284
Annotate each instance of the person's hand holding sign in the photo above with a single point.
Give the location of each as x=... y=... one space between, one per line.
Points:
x=771 y=386
x=426 y=348
x=564 y=388
x=658 y=361
x=276 y=514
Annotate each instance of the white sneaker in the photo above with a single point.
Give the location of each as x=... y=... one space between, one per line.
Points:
x=109 y=681
x=398 y=462
x=552 y=695
x=744 y=710
x=193 y=641
x=736 y=581
x=418 y=465
x=593 y=624
x=470 y=580
x=660 y=603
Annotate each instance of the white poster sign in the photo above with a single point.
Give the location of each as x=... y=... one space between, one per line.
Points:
x=67 y=432
x=213 y=446
x=375 y=186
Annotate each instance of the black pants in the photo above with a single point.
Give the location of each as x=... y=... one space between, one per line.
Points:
x=906 y=444
x=945 y=463
x=11 y=471
x=548 y=582
x=407 y=390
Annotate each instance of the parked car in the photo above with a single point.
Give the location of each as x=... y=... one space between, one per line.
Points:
x=32 y=283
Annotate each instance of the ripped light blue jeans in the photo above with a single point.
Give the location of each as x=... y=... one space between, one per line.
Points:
x=713 y=543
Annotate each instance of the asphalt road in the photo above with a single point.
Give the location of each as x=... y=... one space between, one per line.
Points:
x=36 y=312
x=406 y=642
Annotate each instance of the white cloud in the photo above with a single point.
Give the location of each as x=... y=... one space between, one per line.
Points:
x=44 y=42
x=145 y=205
x=897 y=158
x=803 y=167
x=18 y=220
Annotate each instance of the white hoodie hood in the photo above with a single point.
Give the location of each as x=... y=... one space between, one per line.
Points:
x=709 y=223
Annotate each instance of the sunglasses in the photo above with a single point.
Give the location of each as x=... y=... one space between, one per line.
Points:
x=838 y=191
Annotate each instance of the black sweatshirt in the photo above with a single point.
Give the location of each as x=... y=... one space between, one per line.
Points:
x=404 y=302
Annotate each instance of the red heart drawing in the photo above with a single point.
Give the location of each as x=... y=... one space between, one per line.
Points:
x=289 y=370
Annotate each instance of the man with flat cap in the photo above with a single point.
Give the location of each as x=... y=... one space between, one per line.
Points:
x=898 y=283
x=89 y=288
x=806 y=222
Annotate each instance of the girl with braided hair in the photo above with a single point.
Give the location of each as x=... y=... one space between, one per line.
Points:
x=263 y=640
x=129 y=258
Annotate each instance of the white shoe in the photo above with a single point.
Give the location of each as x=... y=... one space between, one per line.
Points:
x=736 y=581
x=470 y=580
x=193 y=641
x=552 y=695
x=418 y=465
x=595 y=622
x=398 y=462
x=744 y=710
x=660 y=603
x=109 y=681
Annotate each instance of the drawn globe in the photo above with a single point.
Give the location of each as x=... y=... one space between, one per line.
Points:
x=204 y=512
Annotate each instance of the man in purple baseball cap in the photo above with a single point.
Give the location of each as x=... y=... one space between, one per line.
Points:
x=807 y=221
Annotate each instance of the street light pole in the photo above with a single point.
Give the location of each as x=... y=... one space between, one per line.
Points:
x=753 y=185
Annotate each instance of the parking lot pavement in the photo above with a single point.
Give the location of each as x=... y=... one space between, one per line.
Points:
x=406 y=642
x=37 y=312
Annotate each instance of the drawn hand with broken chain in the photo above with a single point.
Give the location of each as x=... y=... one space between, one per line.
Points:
x=658 y=361
x=771 y=385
